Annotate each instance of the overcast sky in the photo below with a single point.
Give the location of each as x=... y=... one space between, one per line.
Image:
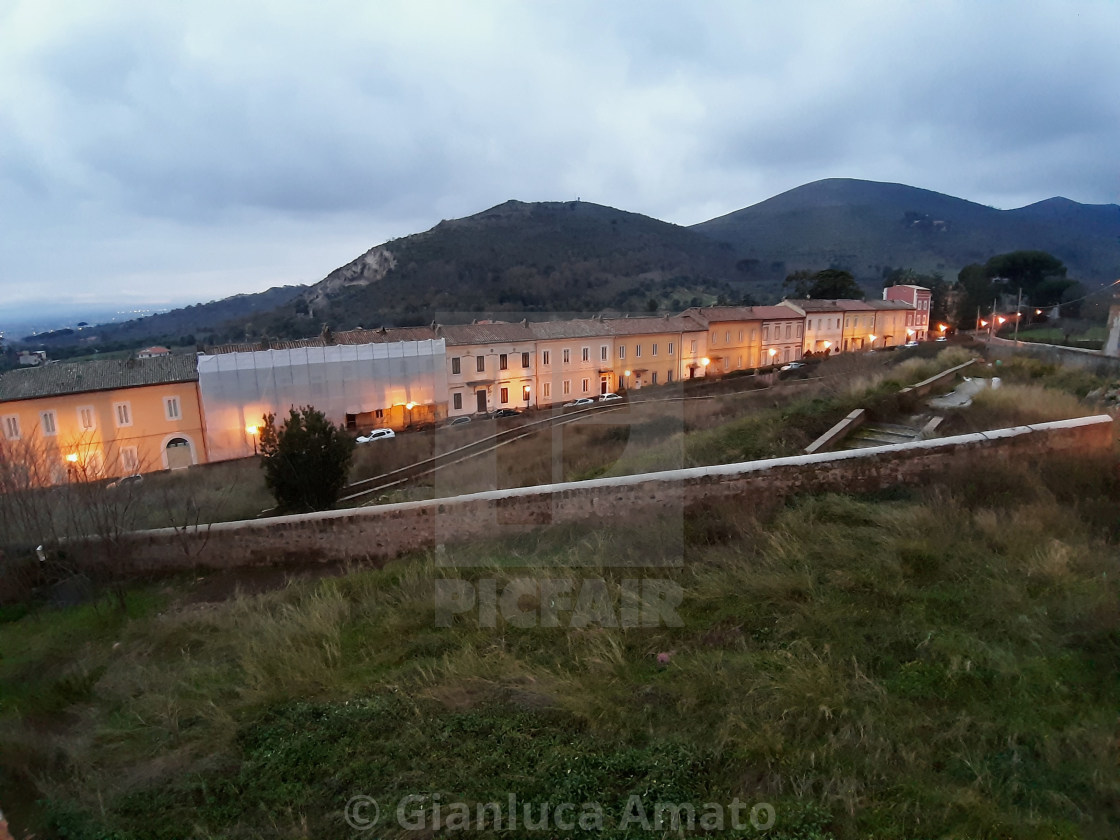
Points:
x=170 y=153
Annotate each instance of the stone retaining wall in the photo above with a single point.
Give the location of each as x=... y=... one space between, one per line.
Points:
x=385 y=531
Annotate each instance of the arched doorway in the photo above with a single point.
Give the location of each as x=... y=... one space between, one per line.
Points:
x=178 y=453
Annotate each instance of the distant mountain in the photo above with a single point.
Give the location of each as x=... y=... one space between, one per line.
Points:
x=867 y=226
x=519 y=257
x=188 y=324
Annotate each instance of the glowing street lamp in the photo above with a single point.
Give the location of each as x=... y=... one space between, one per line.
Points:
x=72 y=457
x=705 y=361
x=253 y=431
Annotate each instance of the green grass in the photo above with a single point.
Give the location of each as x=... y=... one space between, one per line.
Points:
x=937 y=662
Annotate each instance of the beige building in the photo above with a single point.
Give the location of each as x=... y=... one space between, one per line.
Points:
x=573 y=360
x=489 y=366
x=782 y=334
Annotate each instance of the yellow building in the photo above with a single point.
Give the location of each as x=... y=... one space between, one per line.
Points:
x=657 y=350
x=104 y=418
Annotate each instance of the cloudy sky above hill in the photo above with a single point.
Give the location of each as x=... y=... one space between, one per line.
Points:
x=174 y=153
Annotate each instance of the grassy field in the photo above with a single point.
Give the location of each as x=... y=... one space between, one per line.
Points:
x=942 y=662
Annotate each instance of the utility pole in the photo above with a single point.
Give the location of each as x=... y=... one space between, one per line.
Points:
x=992 y=319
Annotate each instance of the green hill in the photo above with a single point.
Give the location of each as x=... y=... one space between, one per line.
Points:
x=867 y=226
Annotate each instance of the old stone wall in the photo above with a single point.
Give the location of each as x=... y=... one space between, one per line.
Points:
x=388 y=530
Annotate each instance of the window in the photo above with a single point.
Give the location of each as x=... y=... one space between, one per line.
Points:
x=586 y=385
x=171 y=408
x=603 y=353
x=524 y=360
x=567 y=356
x=547 y=390
x=456 y=365
x=713 y=338
x=503 y=362
x=379 y=414
x=789 y=330
x=457 y=401
x=637 y=351
x=727 y=337
x=567 y=387
x=123 y=413
x=670 y=348
x=480 y=364
x=49 y=421
x=130 y=462
x=799 y=331
x=622 y=351
x=504 y=395
x=694 y=347
x=587 y=354
x=87 y=420
x=546 y=358
x=11 y=427
x=653 y=350
x=525 y=393
x=765 y=333
x=740 y=336
x=653 y=378
x=739 y=362
x=669 y=376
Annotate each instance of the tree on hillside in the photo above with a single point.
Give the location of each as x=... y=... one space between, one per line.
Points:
x=306 y=460
x=1040 y=275
x=829 y=284
x=940 y=310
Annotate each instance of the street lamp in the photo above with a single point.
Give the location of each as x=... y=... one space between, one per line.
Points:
x=253 y=431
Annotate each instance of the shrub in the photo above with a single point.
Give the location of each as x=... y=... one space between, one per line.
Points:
x=306 y=460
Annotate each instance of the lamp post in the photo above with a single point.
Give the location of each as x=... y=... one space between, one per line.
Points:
x=253 y=431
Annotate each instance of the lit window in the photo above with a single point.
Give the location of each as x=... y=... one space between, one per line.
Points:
x=525 y=393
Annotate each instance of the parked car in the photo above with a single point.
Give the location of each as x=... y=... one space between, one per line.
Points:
x=580 y=403
x=912 y=344
x=128 y=482
x=459 y=421
x=376 y=434
x=793 y=366
x=609 y=398
x=941 y=338
x=507 y=412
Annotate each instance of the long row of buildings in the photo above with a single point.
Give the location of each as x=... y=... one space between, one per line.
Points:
x=117 y=417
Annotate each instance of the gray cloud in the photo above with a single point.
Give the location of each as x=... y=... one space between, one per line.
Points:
x=209 y=148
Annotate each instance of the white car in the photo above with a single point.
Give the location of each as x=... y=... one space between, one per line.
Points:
x=582 y=401
x=911 y=344
x=376 y=434
x=793 y=366
x=609 y=398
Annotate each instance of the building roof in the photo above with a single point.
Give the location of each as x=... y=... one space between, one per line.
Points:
x=838 y=305
x=890 y=304
x=574 y=328
x=384 y=335
x=647 y=324
x=59 y=378
x=494 y=332
x=708 y=315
